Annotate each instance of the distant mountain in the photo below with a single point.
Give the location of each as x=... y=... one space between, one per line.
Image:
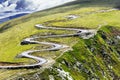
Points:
x=12 y=17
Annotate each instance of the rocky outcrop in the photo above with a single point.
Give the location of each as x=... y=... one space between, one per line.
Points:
x=96 y=59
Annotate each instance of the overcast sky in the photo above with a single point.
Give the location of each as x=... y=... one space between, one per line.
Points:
x=29 y=5
x=14 y=7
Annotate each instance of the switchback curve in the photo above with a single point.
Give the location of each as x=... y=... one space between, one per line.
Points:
x=54 y=46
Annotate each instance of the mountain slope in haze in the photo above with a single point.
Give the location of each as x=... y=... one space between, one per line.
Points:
x=96 y=58
x=12 y=17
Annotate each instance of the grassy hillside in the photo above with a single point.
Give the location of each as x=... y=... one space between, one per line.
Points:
x=91 y=14
x=96 y=58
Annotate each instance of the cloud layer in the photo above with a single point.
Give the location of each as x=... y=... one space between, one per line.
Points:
x=29 y=5
x=10 y=8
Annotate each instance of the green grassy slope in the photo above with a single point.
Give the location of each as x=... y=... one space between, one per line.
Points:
x=89 y=16
x=24 y=27
x=95 y=58
x=98 y=57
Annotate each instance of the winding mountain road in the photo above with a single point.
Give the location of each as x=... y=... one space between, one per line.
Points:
x=54 y=47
